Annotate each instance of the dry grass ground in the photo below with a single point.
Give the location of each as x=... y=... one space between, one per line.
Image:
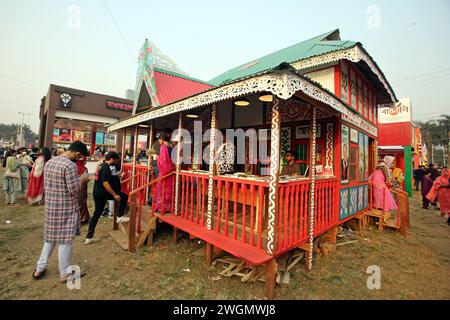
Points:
x=417 y=267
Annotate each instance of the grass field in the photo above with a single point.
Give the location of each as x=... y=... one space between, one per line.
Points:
x=416 y=267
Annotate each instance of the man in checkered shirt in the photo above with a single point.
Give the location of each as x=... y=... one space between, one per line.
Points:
x=62 y=214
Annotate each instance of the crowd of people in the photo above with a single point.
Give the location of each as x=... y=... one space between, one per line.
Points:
x=59 y=180
x=434 y=184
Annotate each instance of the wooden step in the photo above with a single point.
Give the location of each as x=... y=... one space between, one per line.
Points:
x=120 y=238
x=391 y=223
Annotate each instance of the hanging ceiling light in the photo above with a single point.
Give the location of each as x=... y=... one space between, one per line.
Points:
x=242 y=102
x=192 y=115
x=266 y=97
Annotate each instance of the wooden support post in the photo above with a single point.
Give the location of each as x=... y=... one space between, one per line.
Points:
x=312 y=174
x=212 y=155
x=209 y=255
x=178 y=166
x=270 y=277
x=132 y=224
x=149 y=160
x=116 y=209
x=124 y=140
x=332 y=235
x=272 y=221
x=135 y=154
x=175 y=235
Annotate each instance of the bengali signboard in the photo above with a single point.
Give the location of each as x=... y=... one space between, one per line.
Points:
x=400 y=112
x=119 y=106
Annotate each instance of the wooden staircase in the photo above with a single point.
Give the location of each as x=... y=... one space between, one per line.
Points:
x=148 y=227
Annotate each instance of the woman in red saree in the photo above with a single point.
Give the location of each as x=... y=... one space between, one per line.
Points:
x=35 y=190
x=441 y=189
x=82 y=194
x=165 y=166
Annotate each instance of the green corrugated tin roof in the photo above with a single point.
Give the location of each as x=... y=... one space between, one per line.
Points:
x=318 y=45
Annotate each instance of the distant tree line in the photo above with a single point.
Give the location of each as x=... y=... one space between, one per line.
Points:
x=436 y=132
x=9 y=133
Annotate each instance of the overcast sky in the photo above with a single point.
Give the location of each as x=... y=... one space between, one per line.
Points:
x=79 y=44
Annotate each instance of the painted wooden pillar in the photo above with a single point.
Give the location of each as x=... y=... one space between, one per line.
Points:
x=178 y=165
x=212 y=155
x=135 y=154
x=274 y=176
x=149 y=158
x=408 y=170
x=312 y=174
x=92 y=144
x=124 y=140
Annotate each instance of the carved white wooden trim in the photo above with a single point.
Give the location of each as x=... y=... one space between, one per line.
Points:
x=274 y=169
x=283 y=84
x=354 y=54
x=313 y=186
x=212 y=144
x=178 y=165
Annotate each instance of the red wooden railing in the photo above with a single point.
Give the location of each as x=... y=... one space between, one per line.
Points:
x=137 y=200
x=239 y=212
x=141 y=177
x=326 y=206
x=294 y=206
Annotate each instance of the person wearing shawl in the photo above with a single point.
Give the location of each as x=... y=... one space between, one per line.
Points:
x=35 y=191
x=427 y=184
x=82 y=195
x=382 y=182
x=165 y=166
x=441 y=190
x=11 y=185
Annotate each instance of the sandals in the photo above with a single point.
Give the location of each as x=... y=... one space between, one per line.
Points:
x=39 y=276
x=69 y=277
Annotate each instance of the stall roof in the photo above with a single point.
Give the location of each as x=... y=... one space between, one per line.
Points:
x=174 y=86
x=324 y=43
x=321 y=45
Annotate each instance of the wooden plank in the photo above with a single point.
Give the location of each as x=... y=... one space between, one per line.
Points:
x=237 y=269
x=228 y=269
x=151 y=225
x=347 y=242
x=282 y=261
x=258 y=274
x=295 y=261
x=123 y=227
x=120 y=238
x=249 y=274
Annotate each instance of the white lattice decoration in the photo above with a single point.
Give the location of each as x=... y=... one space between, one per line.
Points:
x=354 y=54
x=178 y=165
x=313 y=187
x=212 y=149
x=283 y=84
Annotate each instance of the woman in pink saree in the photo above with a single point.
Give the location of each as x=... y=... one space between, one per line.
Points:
x=164 y=188
x=441 y=190
x=381 y=179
